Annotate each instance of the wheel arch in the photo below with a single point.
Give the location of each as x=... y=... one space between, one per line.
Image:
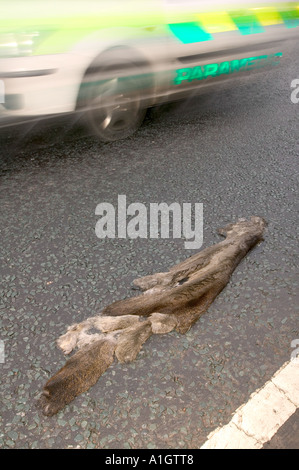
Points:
x=128 y=54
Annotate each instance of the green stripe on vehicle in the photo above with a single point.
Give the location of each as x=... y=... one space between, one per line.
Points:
x=189 y=32
x=247 y=23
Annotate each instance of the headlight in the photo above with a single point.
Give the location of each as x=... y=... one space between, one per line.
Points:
x=20 y=44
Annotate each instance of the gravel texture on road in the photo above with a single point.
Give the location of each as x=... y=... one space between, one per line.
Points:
x=235 y=151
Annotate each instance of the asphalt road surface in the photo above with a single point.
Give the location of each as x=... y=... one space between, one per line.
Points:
x=235 y=151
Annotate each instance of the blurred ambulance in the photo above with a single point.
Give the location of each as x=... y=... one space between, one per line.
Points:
x=112 y=60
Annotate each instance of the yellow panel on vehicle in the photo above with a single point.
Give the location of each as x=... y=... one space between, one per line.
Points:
x=267 y=16
x=216 y=22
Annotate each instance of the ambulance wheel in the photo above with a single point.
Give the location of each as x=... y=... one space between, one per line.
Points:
x=114 y=98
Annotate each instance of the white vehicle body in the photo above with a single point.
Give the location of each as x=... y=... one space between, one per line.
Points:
x=160 y=38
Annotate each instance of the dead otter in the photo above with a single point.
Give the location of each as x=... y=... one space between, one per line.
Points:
x=171 y=300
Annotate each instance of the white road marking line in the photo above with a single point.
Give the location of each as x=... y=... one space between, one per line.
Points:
x=267 y=409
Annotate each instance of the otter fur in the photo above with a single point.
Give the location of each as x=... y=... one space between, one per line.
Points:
x=170 y=300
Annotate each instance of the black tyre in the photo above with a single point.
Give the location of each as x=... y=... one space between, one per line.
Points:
x=114 y=97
